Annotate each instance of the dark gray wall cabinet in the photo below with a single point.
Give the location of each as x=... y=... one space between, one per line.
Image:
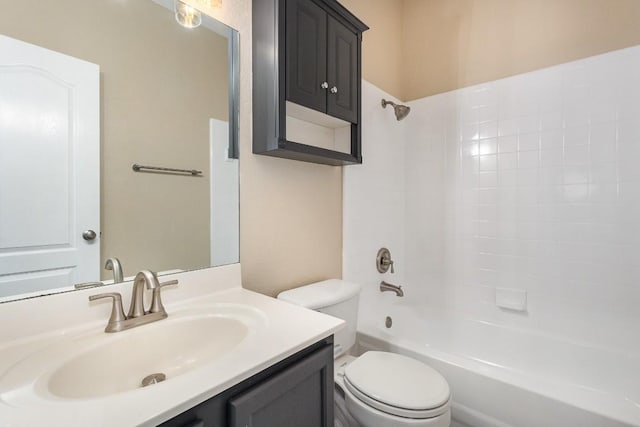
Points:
x=297 y=392
x=307 y=52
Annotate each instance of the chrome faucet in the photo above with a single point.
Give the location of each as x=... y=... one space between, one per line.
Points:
x=384 y=287
x=115 y=265
x=137 y=315
x=144 y=278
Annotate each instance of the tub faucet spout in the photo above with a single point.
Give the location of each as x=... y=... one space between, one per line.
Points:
x=384 y=286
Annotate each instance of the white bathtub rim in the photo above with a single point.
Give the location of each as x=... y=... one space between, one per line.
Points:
x=453 y=313
x=627 y=412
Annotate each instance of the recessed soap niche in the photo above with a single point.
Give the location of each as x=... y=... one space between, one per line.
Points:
x=311 y=127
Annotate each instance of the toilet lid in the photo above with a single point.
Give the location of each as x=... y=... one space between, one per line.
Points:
x=398 y=381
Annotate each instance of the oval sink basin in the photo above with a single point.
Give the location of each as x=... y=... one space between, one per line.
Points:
x=87 y=363
x=169 y=347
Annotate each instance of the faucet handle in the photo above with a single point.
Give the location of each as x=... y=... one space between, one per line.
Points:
x=87 y=285
x=169 y=283
x=384 y=261
x=389 y=263
x=117 y=313
x=156 y=300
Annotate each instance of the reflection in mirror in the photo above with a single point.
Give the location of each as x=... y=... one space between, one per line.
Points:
x=88 y=88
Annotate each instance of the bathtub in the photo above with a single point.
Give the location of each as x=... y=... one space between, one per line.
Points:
x=503 y=377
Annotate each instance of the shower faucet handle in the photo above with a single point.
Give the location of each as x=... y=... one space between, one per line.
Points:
x=324 y=85
x=334 y=89
x=384 y=261
x=390 y=264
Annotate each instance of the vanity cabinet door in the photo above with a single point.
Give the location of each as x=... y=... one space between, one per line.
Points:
x=342 y=71
x=300 y=396
x=297 y=391
x=306 y=47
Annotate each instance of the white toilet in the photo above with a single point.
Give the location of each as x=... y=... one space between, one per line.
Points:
x=377 y=389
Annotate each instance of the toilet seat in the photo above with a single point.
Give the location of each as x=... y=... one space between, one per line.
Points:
x=368 y=416
x=397 y=385
x=394 y=410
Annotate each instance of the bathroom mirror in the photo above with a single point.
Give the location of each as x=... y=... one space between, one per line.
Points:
x=88 y=88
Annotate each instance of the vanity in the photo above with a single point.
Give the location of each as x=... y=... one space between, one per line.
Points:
x=230 y=356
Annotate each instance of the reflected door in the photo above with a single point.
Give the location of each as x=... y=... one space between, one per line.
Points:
x=49 y=169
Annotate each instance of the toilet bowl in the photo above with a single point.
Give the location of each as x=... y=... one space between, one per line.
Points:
x=376 y=389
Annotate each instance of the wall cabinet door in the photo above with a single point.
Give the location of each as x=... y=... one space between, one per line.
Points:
x=322 y=61
x=342 y=71
x=306 y=54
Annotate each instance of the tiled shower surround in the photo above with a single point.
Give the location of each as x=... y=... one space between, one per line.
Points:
x=529 y=183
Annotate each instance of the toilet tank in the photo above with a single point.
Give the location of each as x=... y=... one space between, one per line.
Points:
x=333 y=297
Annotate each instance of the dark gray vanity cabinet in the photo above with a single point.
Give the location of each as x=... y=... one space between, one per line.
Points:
x=308 y=53
x=295 y=392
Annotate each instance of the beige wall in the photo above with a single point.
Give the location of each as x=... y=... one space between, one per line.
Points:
x=450 y=44
x=290 y=212
x=152 y=111
x=382 y=43
x=417 y=48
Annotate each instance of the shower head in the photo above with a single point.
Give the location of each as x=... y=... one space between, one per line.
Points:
x=401 y=111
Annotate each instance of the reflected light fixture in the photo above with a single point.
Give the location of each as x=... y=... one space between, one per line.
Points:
x=210 y=3
x=187 y=16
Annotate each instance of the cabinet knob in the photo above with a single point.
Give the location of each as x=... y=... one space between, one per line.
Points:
x=324 y=85
x=334 y=90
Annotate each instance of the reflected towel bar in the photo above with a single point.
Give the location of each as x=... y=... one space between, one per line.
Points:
x=139 y=168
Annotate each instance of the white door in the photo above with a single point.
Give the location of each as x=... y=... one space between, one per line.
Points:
x=49 y=169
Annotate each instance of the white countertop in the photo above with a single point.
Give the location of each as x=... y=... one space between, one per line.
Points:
x=284 y=330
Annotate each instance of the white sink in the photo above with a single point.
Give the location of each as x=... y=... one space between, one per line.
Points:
x=172 y=347
x=96 y=364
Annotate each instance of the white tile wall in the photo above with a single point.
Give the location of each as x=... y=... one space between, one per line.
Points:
x=530 y=182
x=374 y=196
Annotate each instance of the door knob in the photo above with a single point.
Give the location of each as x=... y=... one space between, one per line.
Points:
x=334 y=90
x=89 y=235
x=324 y=85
